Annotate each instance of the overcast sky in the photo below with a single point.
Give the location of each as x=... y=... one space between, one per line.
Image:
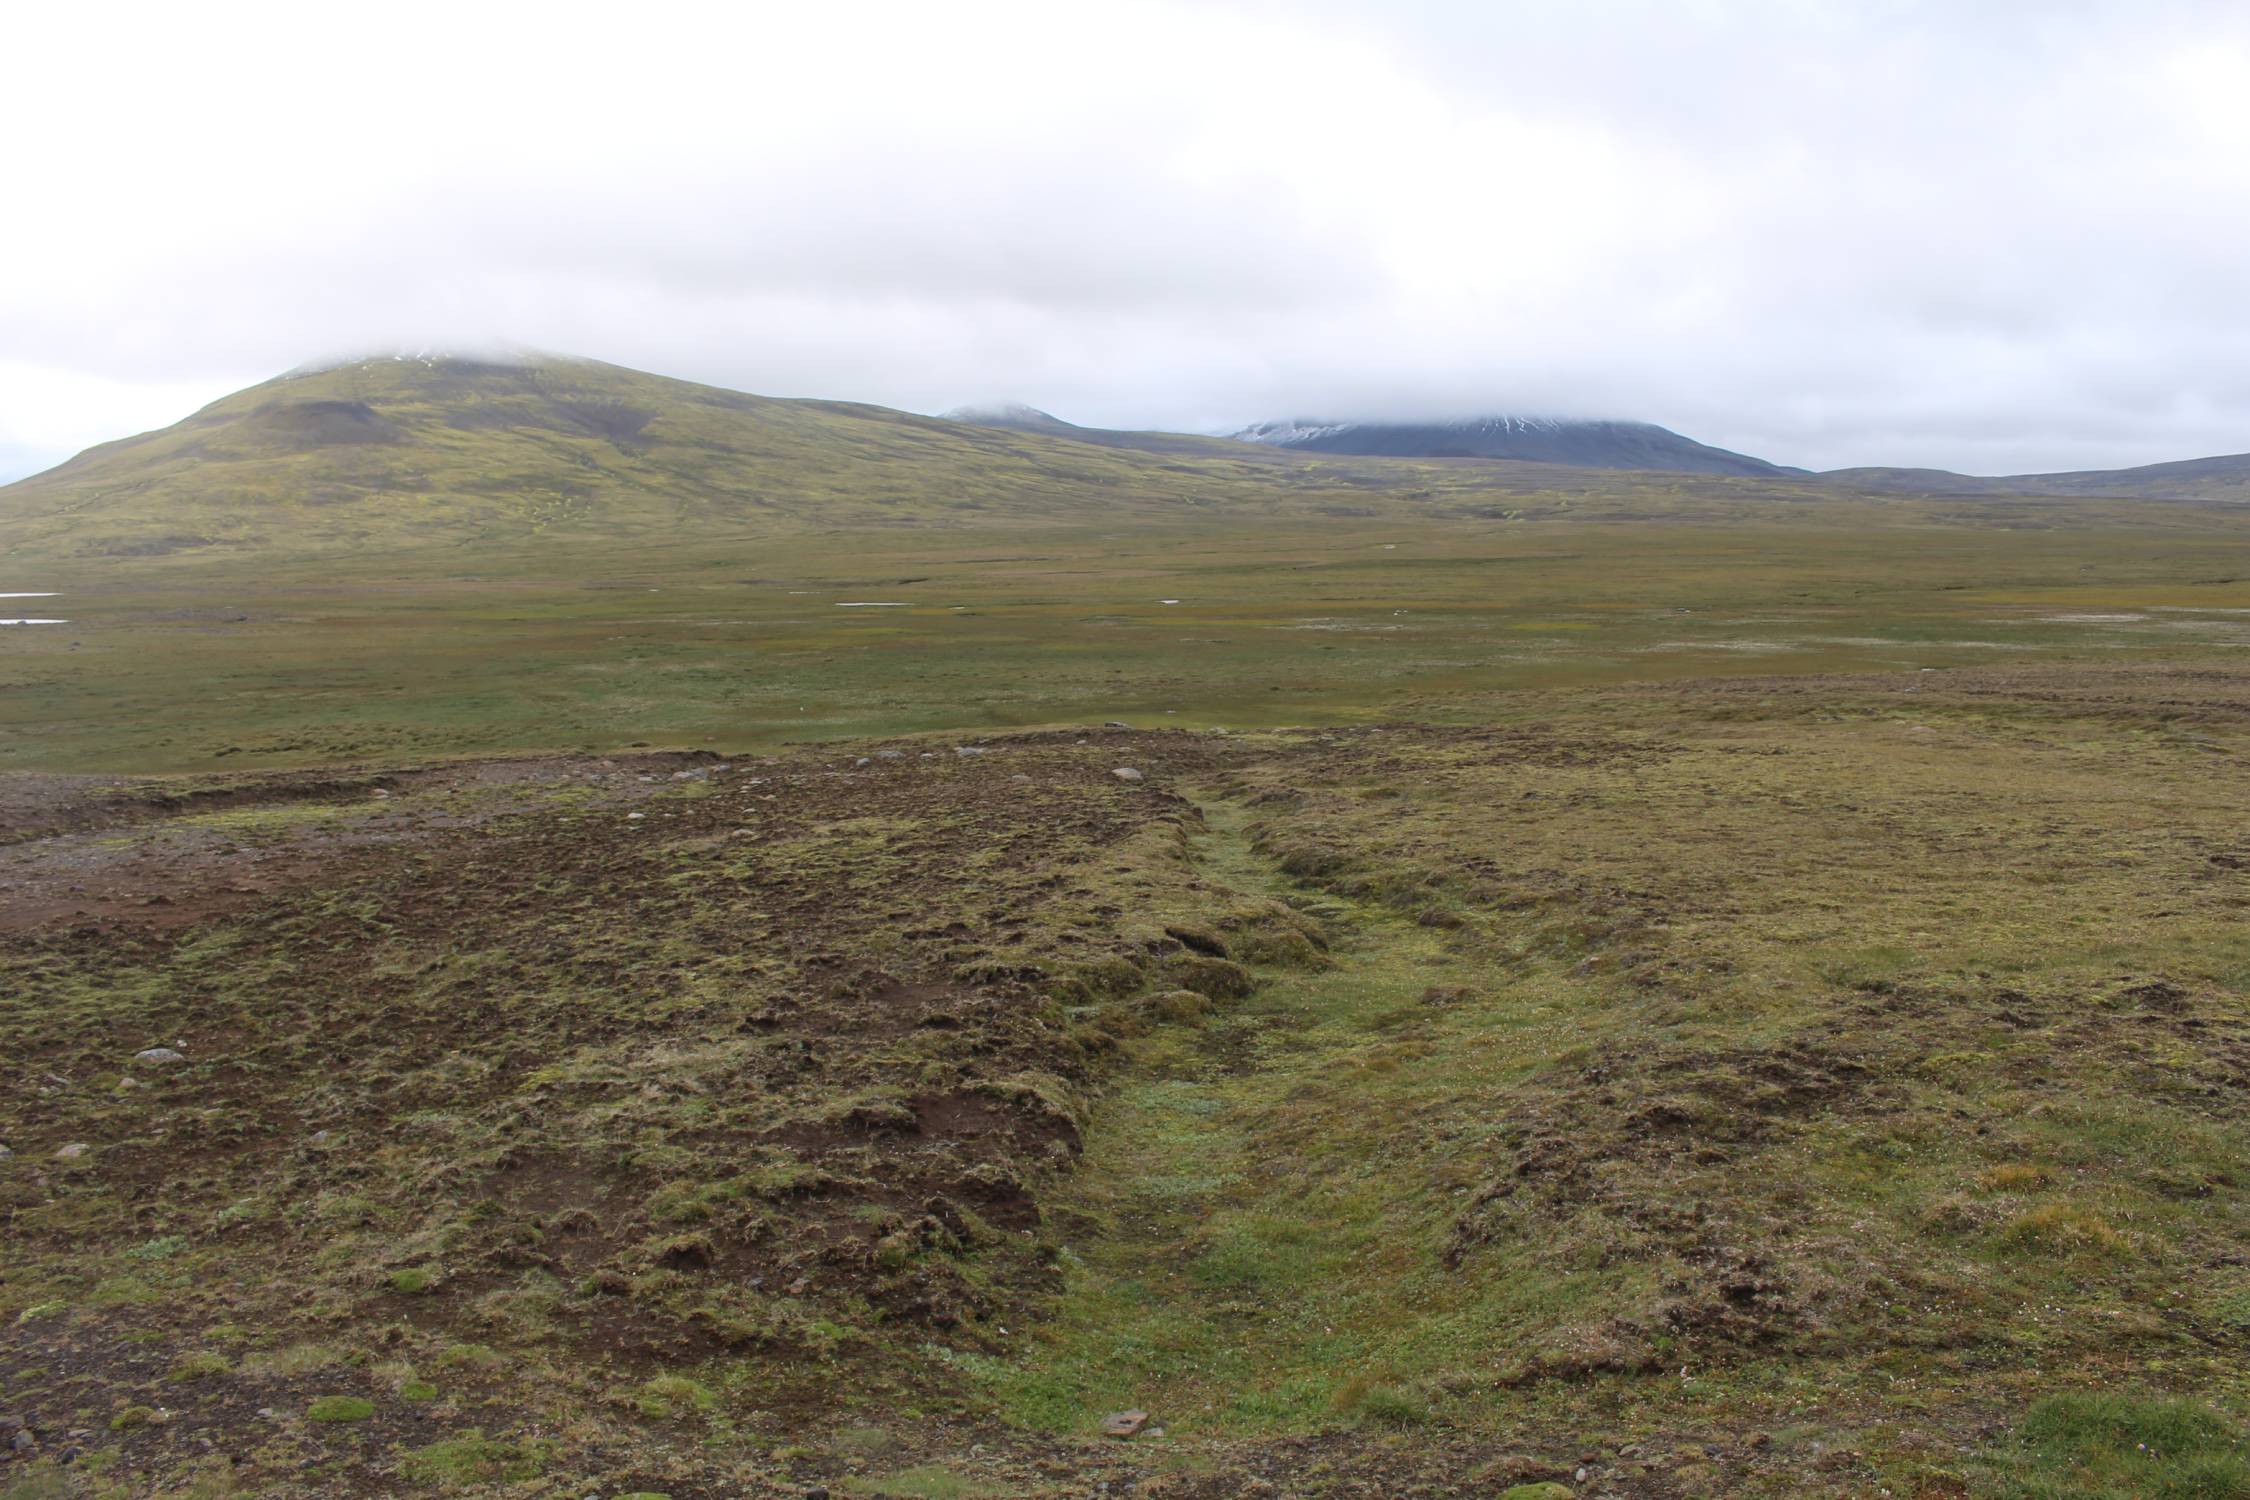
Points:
x=1985 y=235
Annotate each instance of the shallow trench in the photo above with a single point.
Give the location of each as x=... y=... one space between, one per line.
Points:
x=1258 y=1212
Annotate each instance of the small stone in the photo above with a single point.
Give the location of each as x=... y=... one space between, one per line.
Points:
x=73 y=1151
x=5 y=1153
x=863 y=760
x=1115 y=724
x=1123 y=1424
x=970 y=750
x=157 y=1057
x=635 y=817
x=890 y=755
x=23 y=1442
x=68 y=1456
x=129 y=1083
x=1126 y=773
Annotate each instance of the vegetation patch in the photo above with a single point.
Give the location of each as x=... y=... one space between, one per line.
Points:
x=340 y=1409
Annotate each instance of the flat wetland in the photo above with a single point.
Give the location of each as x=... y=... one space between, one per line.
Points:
x=197 y=663
x=1738 y=1002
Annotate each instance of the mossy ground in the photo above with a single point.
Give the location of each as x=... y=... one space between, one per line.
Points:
x=696 y=641
x=1748 y=1086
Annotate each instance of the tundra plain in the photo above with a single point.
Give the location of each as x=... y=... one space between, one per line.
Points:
x=1658 y=987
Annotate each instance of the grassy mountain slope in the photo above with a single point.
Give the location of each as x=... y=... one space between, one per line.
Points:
x=399 y=451
x=407 y=453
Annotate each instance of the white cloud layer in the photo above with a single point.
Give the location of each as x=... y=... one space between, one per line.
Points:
x=1994 y=236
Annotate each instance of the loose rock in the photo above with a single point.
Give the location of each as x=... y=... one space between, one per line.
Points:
x=1123 y=1424
x=157 y=1057
x=1126 y=773
x=73 y=1151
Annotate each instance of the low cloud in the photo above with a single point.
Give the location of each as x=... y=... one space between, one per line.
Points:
x=1997 y=238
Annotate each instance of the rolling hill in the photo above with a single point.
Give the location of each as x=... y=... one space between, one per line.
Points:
x=405 y=450
x=444 y=451
x=417 y=452
x=2223 y=478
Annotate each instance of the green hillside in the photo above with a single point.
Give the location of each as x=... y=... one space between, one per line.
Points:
x=407 y=452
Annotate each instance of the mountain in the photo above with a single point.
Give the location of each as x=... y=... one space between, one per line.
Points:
x=1547 y=440
x=1014 y=416
x=446 y=452
x=412 y=450
x=2226 y=477
x=440 y=451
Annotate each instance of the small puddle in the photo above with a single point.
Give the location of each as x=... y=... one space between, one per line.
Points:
x=45 y=594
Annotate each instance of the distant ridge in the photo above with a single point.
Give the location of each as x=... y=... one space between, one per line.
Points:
x=424 y=449
x=1578 y=443
x=1015 y=416
x=417 y=448
x=2226 y=477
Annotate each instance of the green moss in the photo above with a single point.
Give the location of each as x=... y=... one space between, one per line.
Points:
x=340 y=1409
x=926 y=1482
x=672 y=1397
x=199 y=1365
x=2113 y=1447
x=472 y=1459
